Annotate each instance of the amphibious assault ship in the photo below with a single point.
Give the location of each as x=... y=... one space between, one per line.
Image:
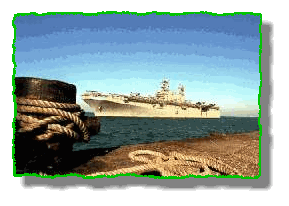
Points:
x=165 y=103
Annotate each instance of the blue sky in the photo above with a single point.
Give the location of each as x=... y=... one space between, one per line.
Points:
x=215 y=57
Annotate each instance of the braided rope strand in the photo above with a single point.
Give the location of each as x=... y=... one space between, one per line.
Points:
x=172 y=165
x=52 y=123
x=57 y=112
x=24 y=118
x=46 y=104
x=40 y=123
x=67 y=131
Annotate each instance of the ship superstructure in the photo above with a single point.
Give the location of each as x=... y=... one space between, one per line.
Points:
x=165 y=103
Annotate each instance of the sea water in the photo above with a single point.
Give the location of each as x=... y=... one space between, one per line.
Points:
x=119 y=131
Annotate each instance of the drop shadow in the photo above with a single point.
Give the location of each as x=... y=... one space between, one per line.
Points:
x=263 y=182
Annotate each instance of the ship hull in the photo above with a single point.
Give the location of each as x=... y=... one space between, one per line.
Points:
x=103 y=107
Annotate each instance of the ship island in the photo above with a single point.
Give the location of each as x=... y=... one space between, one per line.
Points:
x=164 y=104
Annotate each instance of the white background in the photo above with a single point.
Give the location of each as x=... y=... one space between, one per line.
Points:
x=12 y=189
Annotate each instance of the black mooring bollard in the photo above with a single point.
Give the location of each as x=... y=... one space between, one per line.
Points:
x=32 y=153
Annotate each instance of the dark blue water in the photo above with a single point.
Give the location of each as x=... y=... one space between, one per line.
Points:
x=119 y=131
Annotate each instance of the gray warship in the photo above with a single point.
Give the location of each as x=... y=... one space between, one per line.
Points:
x=165 y=103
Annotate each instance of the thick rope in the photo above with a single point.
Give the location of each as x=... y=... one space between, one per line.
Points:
x=175 y=164
x=56 y=116
x=47 y=104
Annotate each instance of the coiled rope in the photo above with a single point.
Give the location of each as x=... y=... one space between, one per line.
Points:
x=175 y=164
x=61 y=119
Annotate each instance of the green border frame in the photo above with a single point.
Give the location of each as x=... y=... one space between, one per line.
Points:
x=138 y=14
